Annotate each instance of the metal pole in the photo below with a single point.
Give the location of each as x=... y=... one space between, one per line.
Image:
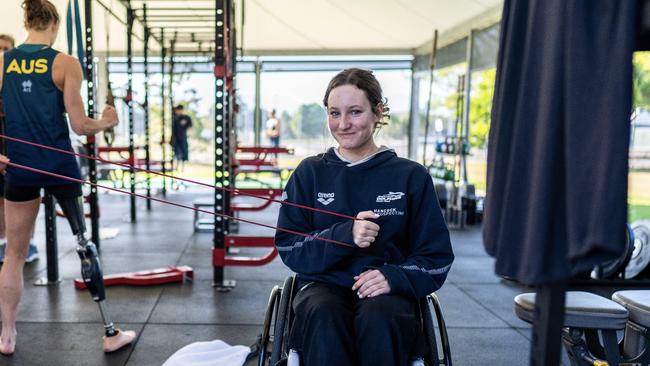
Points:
x=464 y=135
x=90 y=145
x=258 y=106
x=163 y=138
x=414 y=114
x=172 y=47
x=147 y=157
x=129 y=93
x=230 y=110
x=432 y=66
x=243 y=26
x=546 y=347
x=51 y=245
x=221 y=145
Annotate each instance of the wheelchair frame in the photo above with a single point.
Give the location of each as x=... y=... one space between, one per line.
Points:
x=279 y=316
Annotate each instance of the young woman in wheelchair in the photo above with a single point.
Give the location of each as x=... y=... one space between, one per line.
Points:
x=358 y=305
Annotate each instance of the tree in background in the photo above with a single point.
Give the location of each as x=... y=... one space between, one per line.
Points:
x=308 y=121
x=481 y=102
x=285 y=117
x=641 y=80
x=397 y=126
x=481 y=107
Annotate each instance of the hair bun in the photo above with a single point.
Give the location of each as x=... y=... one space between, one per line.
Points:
x=39 y=14
x=32 y=5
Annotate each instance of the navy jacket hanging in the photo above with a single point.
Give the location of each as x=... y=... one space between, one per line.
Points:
x=558 y=145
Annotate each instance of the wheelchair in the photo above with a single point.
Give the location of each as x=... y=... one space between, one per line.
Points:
x=273 y=349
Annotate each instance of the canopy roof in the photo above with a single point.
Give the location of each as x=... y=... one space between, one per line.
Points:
x=282 y=27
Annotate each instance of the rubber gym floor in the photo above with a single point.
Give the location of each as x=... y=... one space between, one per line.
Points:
x=59 y=325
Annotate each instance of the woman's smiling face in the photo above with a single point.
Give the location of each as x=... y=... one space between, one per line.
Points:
x=350 y=118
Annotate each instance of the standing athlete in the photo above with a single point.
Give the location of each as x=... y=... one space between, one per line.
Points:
x=39 y=85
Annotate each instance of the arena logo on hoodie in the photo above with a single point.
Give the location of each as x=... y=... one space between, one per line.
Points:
x=325 y=198
x=390 y=196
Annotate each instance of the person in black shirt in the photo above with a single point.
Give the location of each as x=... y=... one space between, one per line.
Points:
x=181 y=124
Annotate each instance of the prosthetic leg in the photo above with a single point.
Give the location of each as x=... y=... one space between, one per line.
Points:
x=91 y=272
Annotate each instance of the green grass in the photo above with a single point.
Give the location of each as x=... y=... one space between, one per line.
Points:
x=637 y=212
x=638 y=196
x=638 y=193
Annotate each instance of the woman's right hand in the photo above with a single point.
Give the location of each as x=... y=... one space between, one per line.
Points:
x=364 y=232
x=109 y=117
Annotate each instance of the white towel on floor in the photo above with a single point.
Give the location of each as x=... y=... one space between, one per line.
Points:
x=209 y=353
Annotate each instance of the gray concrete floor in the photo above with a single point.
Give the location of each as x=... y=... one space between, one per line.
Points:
x=60 y=325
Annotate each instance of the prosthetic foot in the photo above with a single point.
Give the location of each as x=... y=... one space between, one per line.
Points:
x=91 y=272
x=119 y=340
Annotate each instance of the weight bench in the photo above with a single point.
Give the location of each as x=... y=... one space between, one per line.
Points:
x=637 y=303
x=591 y=323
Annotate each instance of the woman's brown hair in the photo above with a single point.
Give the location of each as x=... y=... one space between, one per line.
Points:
x=39 y=14
x=366 y=81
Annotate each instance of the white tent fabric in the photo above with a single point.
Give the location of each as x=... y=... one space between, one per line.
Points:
x=290 y=26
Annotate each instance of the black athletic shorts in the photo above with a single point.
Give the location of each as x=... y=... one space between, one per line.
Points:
x=17 y=193
x=2 y=185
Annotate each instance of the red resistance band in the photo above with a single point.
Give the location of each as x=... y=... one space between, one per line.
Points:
x=71 y=179
x=235 y=191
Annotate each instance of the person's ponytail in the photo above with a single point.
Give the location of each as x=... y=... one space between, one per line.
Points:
x=39 y=14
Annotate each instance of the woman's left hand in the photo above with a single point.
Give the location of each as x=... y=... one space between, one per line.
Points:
x=370 y=284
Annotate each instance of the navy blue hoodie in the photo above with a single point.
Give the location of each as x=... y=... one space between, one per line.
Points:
x=412 y=250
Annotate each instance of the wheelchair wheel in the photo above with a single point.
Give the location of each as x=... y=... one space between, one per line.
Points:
x=282 y=322
x=271 y=310
x=433 y=358
x=428 y=328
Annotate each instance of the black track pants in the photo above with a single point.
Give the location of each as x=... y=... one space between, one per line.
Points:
x=334 y=327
